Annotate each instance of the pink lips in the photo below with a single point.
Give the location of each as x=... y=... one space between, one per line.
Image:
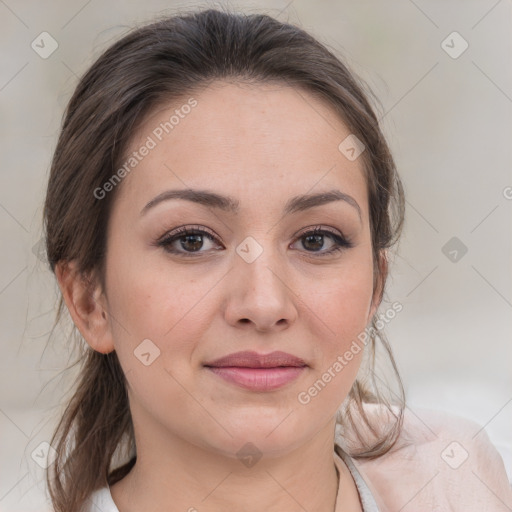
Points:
x=258 y=372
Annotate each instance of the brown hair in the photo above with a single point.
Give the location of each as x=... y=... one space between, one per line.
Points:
x=150 y=66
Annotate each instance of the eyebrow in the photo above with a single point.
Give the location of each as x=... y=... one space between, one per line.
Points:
x=232 y=205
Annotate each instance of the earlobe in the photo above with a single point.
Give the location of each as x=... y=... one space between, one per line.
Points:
x=86 y=304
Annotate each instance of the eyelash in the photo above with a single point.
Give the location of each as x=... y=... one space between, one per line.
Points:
x=341 y=242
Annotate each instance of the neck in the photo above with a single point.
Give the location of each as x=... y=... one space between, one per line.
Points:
x=182 y=476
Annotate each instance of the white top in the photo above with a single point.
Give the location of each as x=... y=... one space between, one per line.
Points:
x=101 y=499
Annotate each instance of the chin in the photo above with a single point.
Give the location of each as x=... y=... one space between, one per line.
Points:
x=268 y=436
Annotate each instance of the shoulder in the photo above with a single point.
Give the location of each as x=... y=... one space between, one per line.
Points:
x=101 y=500
x=439 y=462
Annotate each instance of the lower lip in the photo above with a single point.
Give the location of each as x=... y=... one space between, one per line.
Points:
x=258 y=379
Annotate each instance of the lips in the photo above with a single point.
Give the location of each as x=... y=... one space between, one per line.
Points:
x=249 y=359
x=258 y=372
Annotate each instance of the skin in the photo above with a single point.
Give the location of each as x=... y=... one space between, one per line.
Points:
x=261 y=144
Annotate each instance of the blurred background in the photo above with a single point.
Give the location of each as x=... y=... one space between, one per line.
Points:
x=442 y=73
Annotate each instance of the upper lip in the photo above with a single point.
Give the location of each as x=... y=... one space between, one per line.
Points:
x=250 y=359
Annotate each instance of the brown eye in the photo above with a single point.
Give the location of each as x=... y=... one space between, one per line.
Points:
x=186 y=242
x=192 y=242
x=314 y=241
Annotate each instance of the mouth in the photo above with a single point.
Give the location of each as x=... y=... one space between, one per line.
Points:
x=258 y=372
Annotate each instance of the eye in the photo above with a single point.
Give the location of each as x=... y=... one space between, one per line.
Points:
x=314 y=240
x=191 y=240
x=188 y=241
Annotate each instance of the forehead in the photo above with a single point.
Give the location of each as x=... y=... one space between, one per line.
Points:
x=244 y=139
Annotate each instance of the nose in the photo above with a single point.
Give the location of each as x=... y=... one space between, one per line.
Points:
x=260 y=295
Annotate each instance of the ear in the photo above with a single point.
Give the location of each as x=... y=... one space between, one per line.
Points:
x=380 y=276
x=87 y=306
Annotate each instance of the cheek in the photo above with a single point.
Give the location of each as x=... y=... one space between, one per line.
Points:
x=148 y=302
x=342 y=314
x=343 y=303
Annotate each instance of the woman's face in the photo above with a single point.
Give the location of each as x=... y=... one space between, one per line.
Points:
x=248 y=278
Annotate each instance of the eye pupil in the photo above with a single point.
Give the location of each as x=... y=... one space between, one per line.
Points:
x=317 y=244
x=197 y=242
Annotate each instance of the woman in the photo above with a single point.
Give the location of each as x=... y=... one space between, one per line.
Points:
x=218 y=213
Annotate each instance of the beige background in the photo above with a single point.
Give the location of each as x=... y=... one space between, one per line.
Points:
x=448 y=121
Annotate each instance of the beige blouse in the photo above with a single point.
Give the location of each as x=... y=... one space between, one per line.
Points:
x=440 y=463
